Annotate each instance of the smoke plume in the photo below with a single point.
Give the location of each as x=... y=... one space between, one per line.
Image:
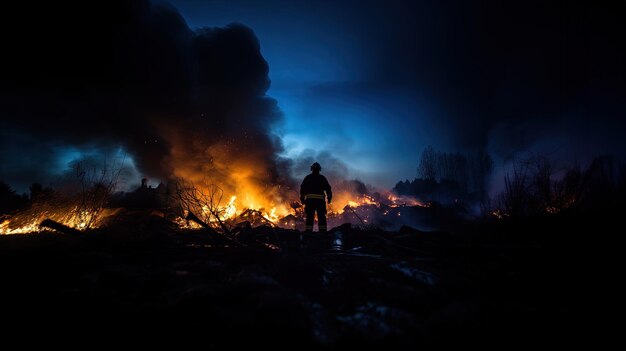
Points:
x=132 y=75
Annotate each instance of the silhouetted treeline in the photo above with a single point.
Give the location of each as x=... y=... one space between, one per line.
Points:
x=143 y=197
x=10 y=201
x=445 y=176
x=535 y=186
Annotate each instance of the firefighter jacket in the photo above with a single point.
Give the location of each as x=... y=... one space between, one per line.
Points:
x=313 y=187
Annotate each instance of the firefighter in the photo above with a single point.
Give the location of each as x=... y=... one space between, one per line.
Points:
x=312 y=196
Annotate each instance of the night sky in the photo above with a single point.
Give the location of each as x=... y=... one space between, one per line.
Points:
x=362 y=86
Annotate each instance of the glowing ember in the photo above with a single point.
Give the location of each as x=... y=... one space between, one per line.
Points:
x=552 y=209
x=499 y=214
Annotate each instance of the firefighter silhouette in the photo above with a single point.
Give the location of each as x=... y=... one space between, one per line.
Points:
x=312 y=196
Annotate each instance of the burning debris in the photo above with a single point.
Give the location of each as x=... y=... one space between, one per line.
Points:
x=193 y=207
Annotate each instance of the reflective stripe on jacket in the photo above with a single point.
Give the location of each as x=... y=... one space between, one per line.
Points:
x=315 y=184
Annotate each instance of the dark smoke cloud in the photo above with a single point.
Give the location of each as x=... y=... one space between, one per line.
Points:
x=333 y=168
x=507 y=75
x=511 y=77
x=130 y=74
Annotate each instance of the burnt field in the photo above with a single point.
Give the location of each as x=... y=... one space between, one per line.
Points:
x=498 y=283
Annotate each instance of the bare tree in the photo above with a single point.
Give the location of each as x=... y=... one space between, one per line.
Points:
x=205 y=201
x=529 y=189
x=96 y=187
x=427 y=168
x=79 y=202
x=514 y=199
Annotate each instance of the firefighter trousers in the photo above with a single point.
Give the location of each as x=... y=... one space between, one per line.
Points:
x=310 y=207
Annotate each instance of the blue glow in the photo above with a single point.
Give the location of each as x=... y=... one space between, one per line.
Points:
x=376 y=133
x=117 y=159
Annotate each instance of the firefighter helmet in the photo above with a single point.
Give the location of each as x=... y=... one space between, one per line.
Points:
x=316 y=167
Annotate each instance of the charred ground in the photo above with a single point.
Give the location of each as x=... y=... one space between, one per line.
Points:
x=509 y=282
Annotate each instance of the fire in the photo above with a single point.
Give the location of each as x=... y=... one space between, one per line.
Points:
x=6 y=228
x=499 y=214
x=204 y=201
x=363 y=208
x=236 y=182
x=348 y=200
x=230 y=209
x=218 y=191
x=274 y=209
x=225 y=212
x=259 y=209
x=28 y=221
x=216 y=213
x=239 y=179
x=397 y=201
x=272 y=216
